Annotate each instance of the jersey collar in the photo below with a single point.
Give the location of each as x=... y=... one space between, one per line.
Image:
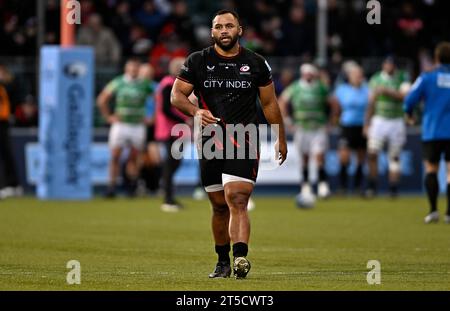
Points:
x=305 y=84
x=128 y=79
x=227 y=57
x=445 y=67
x=386 y=76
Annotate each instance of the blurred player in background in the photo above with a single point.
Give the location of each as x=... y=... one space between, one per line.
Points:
x=10 y=186
x=434 y=88
x=150 y=168
x=351 y=100
x=227 y=79
x=384 y=123
x=166 y=118
x=308 y=97
x=127 y=122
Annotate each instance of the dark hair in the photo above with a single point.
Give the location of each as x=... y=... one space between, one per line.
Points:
x=442 y=52
x=391 y=59
x=133 y=59
x=223 y=12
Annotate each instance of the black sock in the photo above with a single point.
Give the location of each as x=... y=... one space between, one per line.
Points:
x=372 y=184
x=305 y=174
x=432 y=187
x=240 y=249
x=112 y=188
x=223 y=252
x=322 y=174
x=358 y=177
x=393 y=188
x=448 y=199
x=343 y=176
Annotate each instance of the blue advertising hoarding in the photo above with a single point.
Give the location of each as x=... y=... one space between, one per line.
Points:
x=287 y=175
x=65 y=114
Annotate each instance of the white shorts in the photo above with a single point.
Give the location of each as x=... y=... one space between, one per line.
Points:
x=226 y=178
x=125 y=135
x=382 y=130
x=311 y=142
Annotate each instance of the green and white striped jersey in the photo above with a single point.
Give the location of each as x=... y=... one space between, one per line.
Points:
x=309 y=103
x=386 y=106
x=131 y=98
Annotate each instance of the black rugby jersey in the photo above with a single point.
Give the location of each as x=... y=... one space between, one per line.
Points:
x=227 y=86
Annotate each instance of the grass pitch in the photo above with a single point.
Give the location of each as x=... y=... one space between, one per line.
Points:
x=132 y=245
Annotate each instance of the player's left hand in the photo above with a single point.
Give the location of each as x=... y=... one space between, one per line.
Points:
x=281 y=151
x=410 y=120
x=383 y=90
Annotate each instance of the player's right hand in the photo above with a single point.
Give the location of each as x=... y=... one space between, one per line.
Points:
x=206 y=117
x=113 y=119
x=281 y=151
x=366 y=131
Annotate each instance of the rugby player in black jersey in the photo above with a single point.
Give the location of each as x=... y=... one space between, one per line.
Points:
x=227 y=80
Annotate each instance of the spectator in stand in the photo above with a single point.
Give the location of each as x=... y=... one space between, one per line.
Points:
x=138 y=42
x=168 y=48
x=270 y=33
x=251 y=40
x=151 y=18
x=52 y=22
x=87 y=8
x=9 y=184
x=26 y=113
x=409 y=31
x=283 y=80
x=182 y=23
x=296 y=34
x=257 y=12
x=7 y=35
x=8 y=81
x=107 y=49
x=122 y=22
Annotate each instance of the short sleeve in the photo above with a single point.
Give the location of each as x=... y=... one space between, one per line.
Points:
x=265 y=72
x=416 y=93
x=113 y=85
x=287 y=93
x=188 y=69
x=373 y=83
x=338 y=92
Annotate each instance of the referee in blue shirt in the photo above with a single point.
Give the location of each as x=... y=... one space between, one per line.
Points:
x=351 y=100
x=434 y=88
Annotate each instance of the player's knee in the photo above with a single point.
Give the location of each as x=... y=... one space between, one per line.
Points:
x=374 y=146
x=237 y=199
x=320 y=159
x=133 y=157
x=394 y=164
x=394 y=160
